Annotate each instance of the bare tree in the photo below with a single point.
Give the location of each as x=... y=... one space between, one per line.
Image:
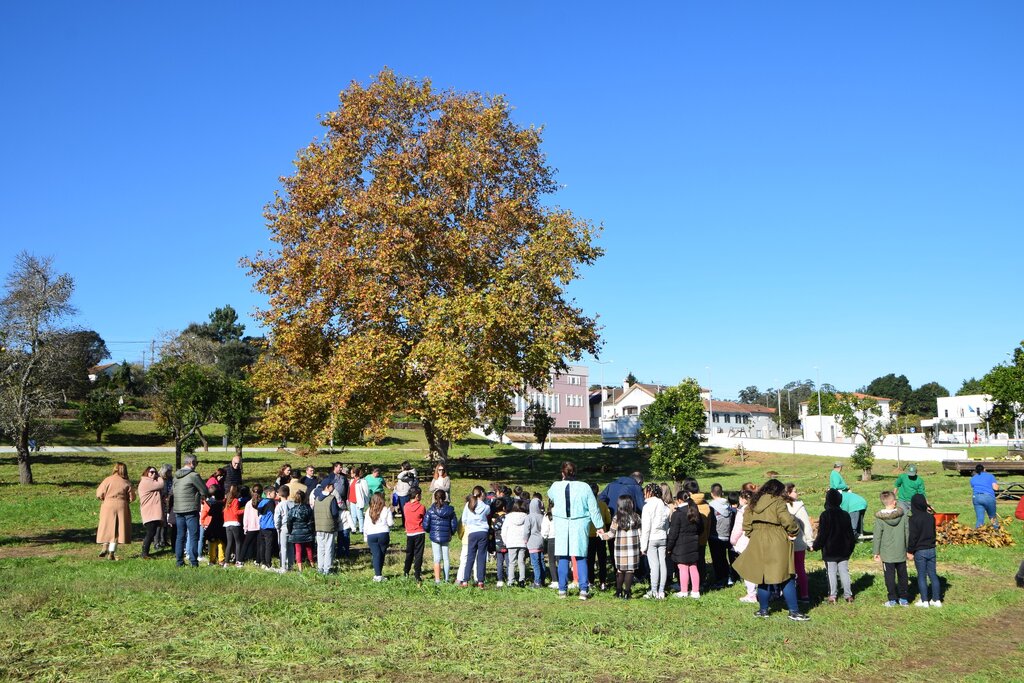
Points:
x=32 y=354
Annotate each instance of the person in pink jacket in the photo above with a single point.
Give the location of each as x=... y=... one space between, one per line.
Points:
x=251 y=523
x=739 y=542
x=151 y=507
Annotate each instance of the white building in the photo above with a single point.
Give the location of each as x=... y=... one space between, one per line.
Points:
x=620 y=410
x=825 y=427
x=749 y=420
x=969 y=413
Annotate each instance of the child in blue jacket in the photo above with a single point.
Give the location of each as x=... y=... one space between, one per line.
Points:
x=440 y=523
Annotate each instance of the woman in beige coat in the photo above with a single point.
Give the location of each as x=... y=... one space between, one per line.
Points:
x=115 y=512
x=768 y=558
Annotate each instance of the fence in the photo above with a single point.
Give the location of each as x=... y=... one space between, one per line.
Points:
x=837 y=450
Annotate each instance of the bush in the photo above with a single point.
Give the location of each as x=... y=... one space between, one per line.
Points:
x=863 y=459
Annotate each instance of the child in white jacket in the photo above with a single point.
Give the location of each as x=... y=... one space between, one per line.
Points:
x=654 y=522
x=515 y=532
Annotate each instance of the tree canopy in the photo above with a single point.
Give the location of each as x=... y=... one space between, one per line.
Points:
x=35 y=358
x=891 y=386
x=671 y=427
x=417 y=262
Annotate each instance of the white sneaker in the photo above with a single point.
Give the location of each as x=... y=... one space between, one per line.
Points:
x=921 y=603
x=936 y=603
x=554 y=585
x=573 y=585
x=500 y=584
x=680 y=594
x=695 y=595
x=748 y=598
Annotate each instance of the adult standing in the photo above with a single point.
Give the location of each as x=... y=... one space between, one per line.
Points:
x=574 y=508
x=632 y=486
x=358 y=495
x=907 y=486
x=151 y=507
x=115 y=512
x=375 y=482
x=441 y=482
x=404 y=482
x=233 y=473
x=768 y=558
x=835 y=478
x=310 y=481
x=188 y=491
x=983 y=495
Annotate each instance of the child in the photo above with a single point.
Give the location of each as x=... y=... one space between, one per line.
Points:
x=358 y=494
x=653 y=538
x=547 y=532
x=233 y=527
x=301 y=529
x=268 y=533
x=921 y=549
x=287 y=551
x=890 y=548
x=625 y=529
x=377 y=528
x=500 y=551
x=740 y=540
x=535 y=542
x=325 y=519
x=597 y=549
x=683 y=544
x=214 y=507
x=804 y=539
x=251 y=524
x=721 y=526
x=440 y=522
x=465 y=564
x=345 y=527
x=514 y=535
x=413 y=513
x=836 y=540
x=474 y=521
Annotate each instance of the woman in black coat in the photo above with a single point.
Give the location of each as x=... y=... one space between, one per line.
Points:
x=836 y=541
x=683 y=544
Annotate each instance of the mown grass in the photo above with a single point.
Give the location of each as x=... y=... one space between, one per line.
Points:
x=71 y=616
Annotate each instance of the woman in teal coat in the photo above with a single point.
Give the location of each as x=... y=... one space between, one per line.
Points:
x=574 y=508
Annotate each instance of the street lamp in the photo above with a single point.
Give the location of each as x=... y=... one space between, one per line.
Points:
x=821 y=423
x=711 y=406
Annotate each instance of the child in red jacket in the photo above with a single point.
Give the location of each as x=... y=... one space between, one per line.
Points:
x=415 y=537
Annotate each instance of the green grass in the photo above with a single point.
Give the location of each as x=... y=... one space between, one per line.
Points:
x=70 y=616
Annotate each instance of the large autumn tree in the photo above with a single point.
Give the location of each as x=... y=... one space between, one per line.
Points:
x=419 y=264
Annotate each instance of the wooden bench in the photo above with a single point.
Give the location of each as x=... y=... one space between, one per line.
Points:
x=966 y=467
x=1013 y=490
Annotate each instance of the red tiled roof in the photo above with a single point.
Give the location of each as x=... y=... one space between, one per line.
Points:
x=857 y=394
x=732 y=407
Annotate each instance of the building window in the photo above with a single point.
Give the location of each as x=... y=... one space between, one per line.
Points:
x=727 y=419
x=630 y=410
x=946 y=413
x=574 y=424
x=573 y=379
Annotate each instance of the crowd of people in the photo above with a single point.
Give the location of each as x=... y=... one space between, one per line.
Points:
x=574 y=536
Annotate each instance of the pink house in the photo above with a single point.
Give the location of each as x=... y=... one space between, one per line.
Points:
x=567 y=399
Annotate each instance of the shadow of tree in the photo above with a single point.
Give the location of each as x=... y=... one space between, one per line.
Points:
x=63 y=459
x=57 y=536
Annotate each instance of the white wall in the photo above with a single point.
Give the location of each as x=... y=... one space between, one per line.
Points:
x=838 y=450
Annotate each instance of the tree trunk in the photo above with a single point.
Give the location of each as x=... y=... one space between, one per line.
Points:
x=177 y=453
x=24 y=460
x=437 y=443
x=202 y=439
x=99 y=436
x=866 y=475
x=238 y=449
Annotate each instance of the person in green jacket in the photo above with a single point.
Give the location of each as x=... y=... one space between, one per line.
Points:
x=890 y=548
x=835 y=478
x=853 y=504
x=907 y=485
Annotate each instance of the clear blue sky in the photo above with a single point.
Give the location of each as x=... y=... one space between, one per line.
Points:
x=782 y=186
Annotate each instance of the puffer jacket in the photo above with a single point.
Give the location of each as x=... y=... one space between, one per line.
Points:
x=301 y=528
x=188 y=490
x=440 y=523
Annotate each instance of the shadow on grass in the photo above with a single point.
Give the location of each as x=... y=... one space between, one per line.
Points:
x=62 y=459
x=818 y=586
x=51 y=537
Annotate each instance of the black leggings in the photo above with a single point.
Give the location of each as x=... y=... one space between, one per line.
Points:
x=624 y=584
x=268 y=539
x=249 y=545
x=597 y=549
x=550 y=544
x=151 y=528
x=233 y=551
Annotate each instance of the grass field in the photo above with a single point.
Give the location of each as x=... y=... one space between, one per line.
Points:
x=70 y=616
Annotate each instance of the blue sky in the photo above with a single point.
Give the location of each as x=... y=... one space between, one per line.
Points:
x=782 y=186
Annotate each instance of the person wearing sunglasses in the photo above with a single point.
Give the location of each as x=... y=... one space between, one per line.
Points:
x=151 y=491
x=441 y=482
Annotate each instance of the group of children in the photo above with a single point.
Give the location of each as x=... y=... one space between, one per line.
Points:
x=668 y=538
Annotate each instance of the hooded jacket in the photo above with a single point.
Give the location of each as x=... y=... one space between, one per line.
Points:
x=535 y=522
x=683 y=545
x=723 y=514
x=440 y=523
x=188 y=490
x=653 y=523
x=890 y=534
x=768 y=557
x=921 y=533
x=515 y=531
x=835 y=538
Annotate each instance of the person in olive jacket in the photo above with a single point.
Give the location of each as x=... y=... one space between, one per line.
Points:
x=768 y=559
x=836 y=540
x=188 y=491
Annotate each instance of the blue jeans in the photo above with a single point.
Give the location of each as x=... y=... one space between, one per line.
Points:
x=357 y=518
x=477 y=543
x=344 y=542
x=565 y=568
x=764 y=594
x=187 y=536
x=537 y=560
x=924 y=562
x=985 y=503
x=402 y=500
x=378 y=547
